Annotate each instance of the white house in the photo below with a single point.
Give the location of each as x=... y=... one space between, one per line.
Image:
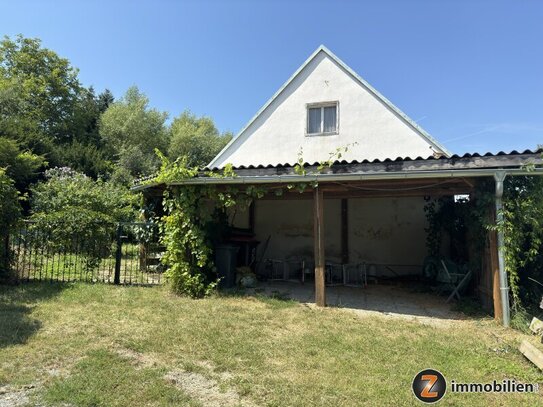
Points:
x=324 y=106
x=367 y=208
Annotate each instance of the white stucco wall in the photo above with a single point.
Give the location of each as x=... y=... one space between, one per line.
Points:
x=278 y=133
x=381 y=230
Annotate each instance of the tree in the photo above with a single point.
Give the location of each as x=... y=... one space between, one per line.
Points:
x=196 y=138
x=43 y=89
x=45 y=109
x=10 y=209
x=21 y=166
x=132 y=131
x=10 y=212
x=86 y=152
x=87 y=158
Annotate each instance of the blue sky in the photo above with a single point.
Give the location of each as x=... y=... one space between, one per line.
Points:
x=468 y=71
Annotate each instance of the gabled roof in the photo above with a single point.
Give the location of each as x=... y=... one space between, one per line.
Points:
x=355 y=76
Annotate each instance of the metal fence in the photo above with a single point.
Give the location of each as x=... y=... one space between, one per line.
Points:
x=123 y=253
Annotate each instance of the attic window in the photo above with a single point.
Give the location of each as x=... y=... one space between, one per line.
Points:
x=322 y=119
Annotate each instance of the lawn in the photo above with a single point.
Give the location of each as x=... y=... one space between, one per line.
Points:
x=102 y=345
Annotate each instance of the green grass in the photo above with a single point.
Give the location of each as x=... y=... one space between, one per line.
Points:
x=270 y=351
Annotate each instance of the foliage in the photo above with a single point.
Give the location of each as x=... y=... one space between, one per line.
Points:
x=520 y=319
x=72 y=205
x=43 y=88
x=188 y=255
x=44 y=108
x=66 y=190
x=523 y=237
x=51 y=119
x=460 y=220
x=192 y=214
x=87 y=158
x=21 y=166
x=10 y=209
x=188 y=214
x=132 y=131
x=195 y=138
x=10 y=212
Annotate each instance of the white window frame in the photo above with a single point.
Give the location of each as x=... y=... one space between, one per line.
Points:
x=321 y=105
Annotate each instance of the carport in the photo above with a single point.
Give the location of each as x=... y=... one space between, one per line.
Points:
x=346 y=198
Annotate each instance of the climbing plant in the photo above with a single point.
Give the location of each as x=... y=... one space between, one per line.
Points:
x=192 y=213
x=522 y=228
x=189 y=211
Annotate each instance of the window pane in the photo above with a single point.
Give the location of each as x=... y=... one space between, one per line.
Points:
x=314 y=120
x=330 y=119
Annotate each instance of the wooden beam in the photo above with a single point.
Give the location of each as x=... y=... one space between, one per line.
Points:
x=345 y=231
x=532 y=353
x=368 y=194
x=252 y=216
x=318 y=223
x=494 y=267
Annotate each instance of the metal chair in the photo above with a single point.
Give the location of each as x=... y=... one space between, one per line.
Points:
x=456 y=282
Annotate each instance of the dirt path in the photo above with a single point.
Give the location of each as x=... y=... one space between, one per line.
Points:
x=12 y=397
x=205 y=390
x=209 y=391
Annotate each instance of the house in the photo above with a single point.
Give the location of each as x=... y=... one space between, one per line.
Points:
x=367 y=209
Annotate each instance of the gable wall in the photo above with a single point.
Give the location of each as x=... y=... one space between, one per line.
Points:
x=277 y=134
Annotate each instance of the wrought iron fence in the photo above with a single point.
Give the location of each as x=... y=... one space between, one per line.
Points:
x=123 y=253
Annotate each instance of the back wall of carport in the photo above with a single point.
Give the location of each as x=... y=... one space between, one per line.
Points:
x=379 y=230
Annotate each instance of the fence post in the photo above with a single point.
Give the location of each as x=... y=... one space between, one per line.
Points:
x=118 y=255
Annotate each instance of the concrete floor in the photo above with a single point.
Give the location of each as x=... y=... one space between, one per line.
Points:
x=393 y=300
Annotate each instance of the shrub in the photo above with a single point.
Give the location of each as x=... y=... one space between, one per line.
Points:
x=72 y=211
x=10 y=212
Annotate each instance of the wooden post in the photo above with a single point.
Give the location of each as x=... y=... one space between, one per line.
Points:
x=344 y=231
x=252 y=216
x=494 y=267
x=318 y=222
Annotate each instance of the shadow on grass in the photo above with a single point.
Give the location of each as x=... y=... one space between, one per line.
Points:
x=16 y=305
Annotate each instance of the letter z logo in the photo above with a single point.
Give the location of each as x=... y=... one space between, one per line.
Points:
x=429 y=386
x=426 y=392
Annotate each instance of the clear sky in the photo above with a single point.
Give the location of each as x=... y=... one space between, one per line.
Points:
x=468 y=71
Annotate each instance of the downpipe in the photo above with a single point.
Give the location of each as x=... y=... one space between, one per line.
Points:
x=499 y=177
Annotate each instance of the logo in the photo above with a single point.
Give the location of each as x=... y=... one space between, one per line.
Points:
x=429 y=386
